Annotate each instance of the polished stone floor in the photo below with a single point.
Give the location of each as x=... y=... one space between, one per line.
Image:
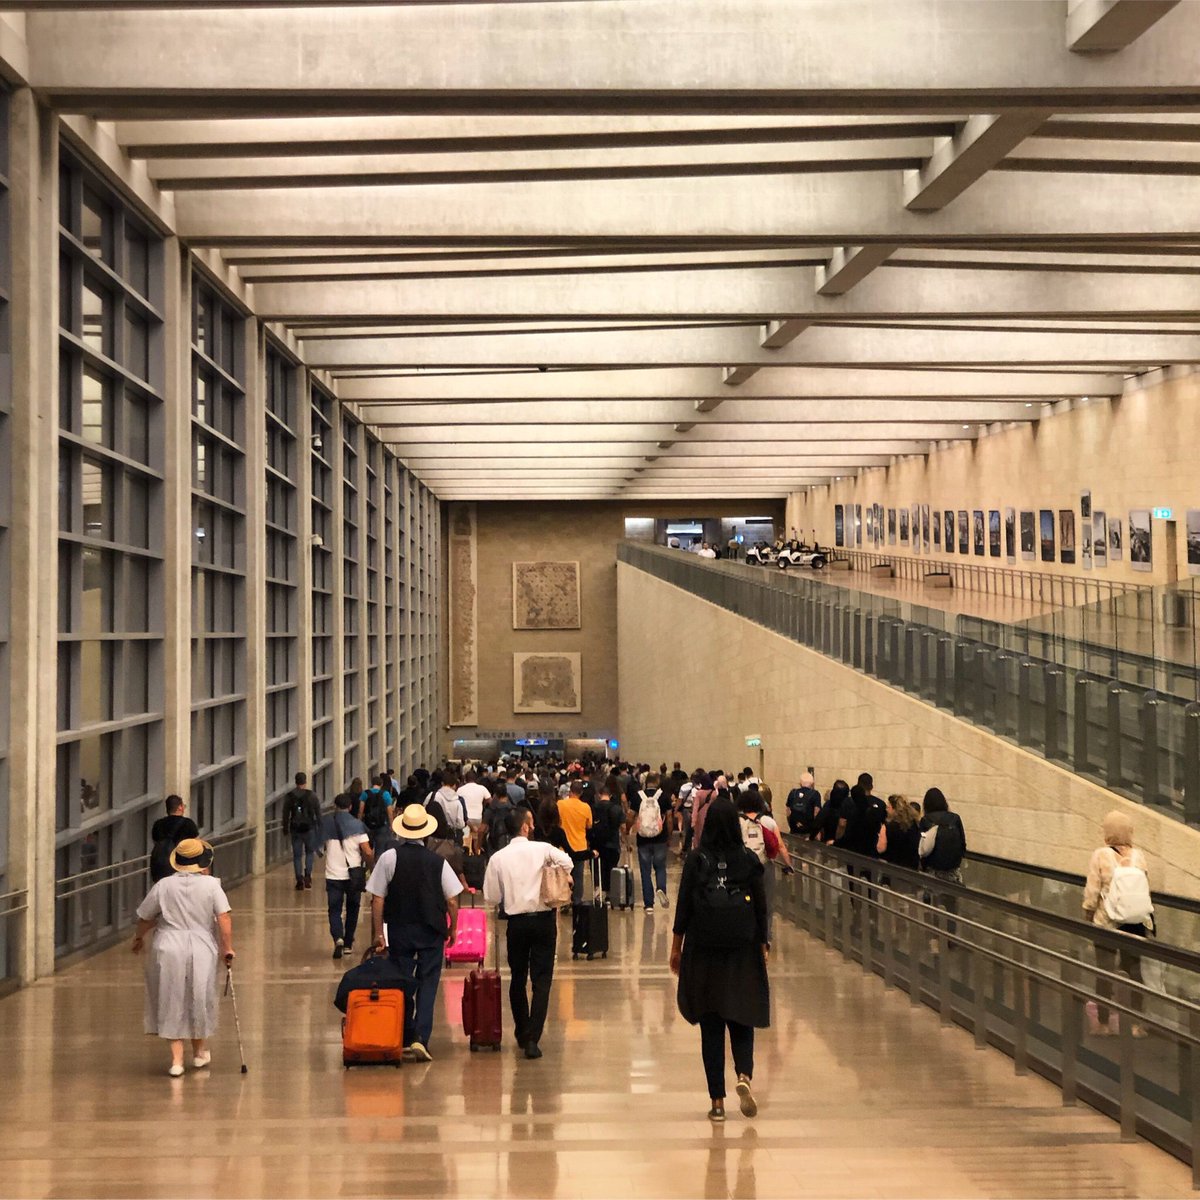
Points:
x=861 y=1095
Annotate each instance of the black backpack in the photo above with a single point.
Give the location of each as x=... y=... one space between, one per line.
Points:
x=949 y=847
x=160 y=859
x=723 y=916
x=375 y=810
x=498 y=835
x=299 y=813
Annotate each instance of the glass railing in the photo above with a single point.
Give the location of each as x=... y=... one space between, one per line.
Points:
x=1060 y=997
x=1076 y=687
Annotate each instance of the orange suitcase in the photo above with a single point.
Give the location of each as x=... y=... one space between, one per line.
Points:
x=373 y=1028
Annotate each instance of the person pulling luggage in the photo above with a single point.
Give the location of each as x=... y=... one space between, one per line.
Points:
x=415 y=893
x=513 y=882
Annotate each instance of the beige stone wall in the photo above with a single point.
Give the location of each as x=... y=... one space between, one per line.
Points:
x=586 y=533
x=722 y=677
x=1137 y=451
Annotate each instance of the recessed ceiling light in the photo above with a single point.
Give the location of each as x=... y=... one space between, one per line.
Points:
x=1029 y=405
x=966 y=427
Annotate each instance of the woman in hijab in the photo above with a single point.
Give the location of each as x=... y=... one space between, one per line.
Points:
x=1099 y=903
x=188 y=913
x=720 y=951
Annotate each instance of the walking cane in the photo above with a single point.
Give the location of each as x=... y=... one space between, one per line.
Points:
x=231 y=992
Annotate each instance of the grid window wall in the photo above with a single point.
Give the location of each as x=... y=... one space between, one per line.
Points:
x=322 y=450
x=218 y=562
x=282 y=579
x=390 y=469
x=110 y=546
x=352 y=656
x=373 y=633
x=6 y=965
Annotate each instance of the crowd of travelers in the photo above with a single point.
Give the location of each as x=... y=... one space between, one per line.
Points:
x=500 y=829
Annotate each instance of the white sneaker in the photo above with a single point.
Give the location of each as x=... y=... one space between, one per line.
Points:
x=175 y=1072
x=419 y=1053
x=202 y=1060
x=663 y=902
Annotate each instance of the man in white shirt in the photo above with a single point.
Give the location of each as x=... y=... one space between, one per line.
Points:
x=347 y=845
x=415 y=892
x=474 y=795
x=514 y=883
x=706 y=551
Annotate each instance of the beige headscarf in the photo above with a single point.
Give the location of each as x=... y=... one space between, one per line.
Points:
x=1117 y=829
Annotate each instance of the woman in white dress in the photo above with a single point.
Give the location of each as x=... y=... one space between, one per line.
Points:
x=188 y=913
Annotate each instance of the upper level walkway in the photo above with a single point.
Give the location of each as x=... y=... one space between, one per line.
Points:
x=861 y=1093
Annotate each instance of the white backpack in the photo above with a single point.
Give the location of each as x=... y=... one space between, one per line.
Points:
x=1127 y=900
x=752 y=835
x=649 y=822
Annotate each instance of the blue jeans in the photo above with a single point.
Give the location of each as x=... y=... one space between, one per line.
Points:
x=652 y=860
x=304 y=845
x=421 y=963
x=339 y=891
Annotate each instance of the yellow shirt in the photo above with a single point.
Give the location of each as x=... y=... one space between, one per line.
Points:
x=576 y=819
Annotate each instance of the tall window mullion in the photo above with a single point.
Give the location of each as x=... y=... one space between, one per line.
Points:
x=389 y=606
x=352 y=656
x=373 y=608
x=282 y=412
x=323 y=448
x=218 y=562
x=110 y=546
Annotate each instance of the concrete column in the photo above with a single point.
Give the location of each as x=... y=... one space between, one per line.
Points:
x=303 y=615
x=254 y=348
x=34 y=536
x=364 y=638
x=177 y=518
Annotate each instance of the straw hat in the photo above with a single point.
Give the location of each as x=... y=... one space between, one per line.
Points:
x=191 y=856
x=414 y=823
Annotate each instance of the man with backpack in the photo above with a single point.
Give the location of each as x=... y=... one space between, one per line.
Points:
x=804 y=807
x=301 y=822
x=651 y=816
x=376 y=802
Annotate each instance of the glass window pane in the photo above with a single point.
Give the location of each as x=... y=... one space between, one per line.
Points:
x=96 y=489
x=97 y=419
x=95 y=319
x=96 y=226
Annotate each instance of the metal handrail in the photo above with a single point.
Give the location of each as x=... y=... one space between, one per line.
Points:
x=1044 y=587
x=923 y=968
x=16 y=901
x=1176 y=956
x=130 y=868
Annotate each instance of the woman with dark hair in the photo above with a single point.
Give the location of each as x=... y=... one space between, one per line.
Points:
x=720 y=952
x=549 y=825
x=943 y=839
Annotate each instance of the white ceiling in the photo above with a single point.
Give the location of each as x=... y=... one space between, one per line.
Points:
x=655 y=248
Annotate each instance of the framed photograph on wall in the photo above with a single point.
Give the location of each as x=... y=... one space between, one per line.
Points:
x=858 y=524
x=1010 y=534
x=937 y=527
x=1116 y=545
x=839 y=525
x=977 y=529
x=891 y=526
x=994 y=532
x=948 y=532
x=1099 y=540
x=1028 y=536
x=1141 y=546
x=916 y=528
x=1085 y=538
x=879 y=524
x=870 y=524
x=904 y=526
x=1085 y=504
x=1193 y=541
x=1066 y=535
x=925 y=531
x=1046 y=526
x=964 y=531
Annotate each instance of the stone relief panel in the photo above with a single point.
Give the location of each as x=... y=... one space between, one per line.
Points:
x=547 y=683
x=546 y=595
x=464 y=622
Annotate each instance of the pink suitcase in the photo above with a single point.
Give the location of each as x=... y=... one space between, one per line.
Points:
x=470 y=946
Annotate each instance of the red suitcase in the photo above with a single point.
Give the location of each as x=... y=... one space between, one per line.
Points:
x=481 y=1003
x=470 y=942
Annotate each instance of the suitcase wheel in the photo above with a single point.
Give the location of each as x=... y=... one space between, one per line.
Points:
x=474 y=1047
x=590 y=957
x=605 y=954
x=496 y=1048
x=574 y=957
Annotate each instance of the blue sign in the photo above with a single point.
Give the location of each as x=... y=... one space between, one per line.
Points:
x=1162 y=514
x=531 y=741
x=613 y=744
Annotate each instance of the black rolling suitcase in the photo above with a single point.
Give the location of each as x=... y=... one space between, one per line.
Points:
x=589 y=923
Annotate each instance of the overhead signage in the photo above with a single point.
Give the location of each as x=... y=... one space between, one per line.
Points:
x=1163 y=514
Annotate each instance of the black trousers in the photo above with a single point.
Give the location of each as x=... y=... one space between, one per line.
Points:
x=532 y=940
x=712 y=1050
x=609 y=857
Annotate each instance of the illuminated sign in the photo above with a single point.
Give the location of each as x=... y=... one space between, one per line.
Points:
x=1163 y=514
x=754 y=740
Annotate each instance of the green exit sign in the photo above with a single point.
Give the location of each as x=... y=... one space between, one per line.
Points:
x=753 y=741
x=1163 y=514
